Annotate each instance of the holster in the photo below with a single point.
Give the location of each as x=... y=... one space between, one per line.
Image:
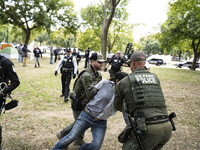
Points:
x=12 y=104
x=140 y=121
x=76 y=104
x=125 y=134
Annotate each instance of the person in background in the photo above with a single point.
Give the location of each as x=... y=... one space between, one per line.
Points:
x=68 y=69
x=116 y=62
x=77 y=56
x=37 y=53
x=51 y=55
x=87 y=55
x=25 y=51
x=19 y=49
x=56 y=51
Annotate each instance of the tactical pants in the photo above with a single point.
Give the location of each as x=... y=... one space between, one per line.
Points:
x=66 y=79
x=86 y=62
x=67 y=129
x=156 y=136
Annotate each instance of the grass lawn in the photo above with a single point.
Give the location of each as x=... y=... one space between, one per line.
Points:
x=42 y=113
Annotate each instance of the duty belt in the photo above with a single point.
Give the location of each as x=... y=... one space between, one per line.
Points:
x=157 y=119
x=67 y=70
x=88 y=111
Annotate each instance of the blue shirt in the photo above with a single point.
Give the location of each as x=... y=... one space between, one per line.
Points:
x=101 y=105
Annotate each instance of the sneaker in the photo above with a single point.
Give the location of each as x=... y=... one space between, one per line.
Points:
x=61 y=95
x=79 y=142
x=59 y=136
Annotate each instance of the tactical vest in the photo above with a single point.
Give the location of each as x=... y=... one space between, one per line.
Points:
x=67 y=62
x=146 y=90
x=116 y=64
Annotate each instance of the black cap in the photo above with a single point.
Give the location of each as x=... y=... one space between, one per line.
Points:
x=68 y=50
x=97 y=57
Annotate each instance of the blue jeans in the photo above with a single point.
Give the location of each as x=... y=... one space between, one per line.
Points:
x=51 y=59
x=20 y=57
x=85 y=121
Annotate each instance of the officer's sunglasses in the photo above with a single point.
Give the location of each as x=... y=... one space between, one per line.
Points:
x=100 y=62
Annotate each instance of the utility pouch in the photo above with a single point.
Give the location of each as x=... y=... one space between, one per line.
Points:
x=12 y=104
x=76 y=104
x=140 y=121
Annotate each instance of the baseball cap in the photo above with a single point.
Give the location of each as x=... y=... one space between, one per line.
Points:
x=68 y=50
x=97 y=57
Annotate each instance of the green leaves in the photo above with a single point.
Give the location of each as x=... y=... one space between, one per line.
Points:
x=182 y=26
x=31 y=14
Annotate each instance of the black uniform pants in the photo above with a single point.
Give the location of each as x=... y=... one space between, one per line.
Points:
x=86 y=62
x=66 y=79
x=55 y=58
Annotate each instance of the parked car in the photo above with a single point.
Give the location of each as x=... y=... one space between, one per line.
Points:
x=156 y=61
x=186 y=64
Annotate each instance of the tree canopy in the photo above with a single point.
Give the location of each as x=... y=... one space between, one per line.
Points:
x=183 y=26
x=32 y=14
x=119 y=33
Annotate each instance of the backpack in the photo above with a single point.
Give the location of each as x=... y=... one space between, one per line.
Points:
x=76 y=103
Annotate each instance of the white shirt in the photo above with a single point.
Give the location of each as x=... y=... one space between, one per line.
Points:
x=73 y=60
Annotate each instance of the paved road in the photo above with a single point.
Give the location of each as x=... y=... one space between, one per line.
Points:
x=170 y=66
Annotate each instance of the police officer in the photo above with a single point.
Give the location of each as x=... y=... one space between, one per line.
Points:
x=87 y=55
x=68 y=69
x=84 y=91
x=145 y=102
x=9 y=81
x=116 y=63
x=77 y=56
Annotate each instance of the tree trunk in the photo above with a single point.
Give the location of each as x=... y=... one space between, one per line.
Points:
x=104 y=34
x=196 y=53
x=28 y=34
x=106 y=23
x=179 y=55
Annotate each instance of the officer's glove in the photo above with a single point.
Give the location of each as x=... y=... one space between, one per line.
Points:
x=105 y=69
x=74 y=76
x=56 y=73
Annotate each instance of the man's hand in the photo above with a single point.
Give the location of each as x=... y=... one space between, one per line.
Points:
x=105 y=69
x=74 y=76
x=56 y=73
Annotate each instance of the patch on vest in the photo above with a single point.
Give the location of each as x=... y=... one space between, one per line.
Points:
x=146 y=78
